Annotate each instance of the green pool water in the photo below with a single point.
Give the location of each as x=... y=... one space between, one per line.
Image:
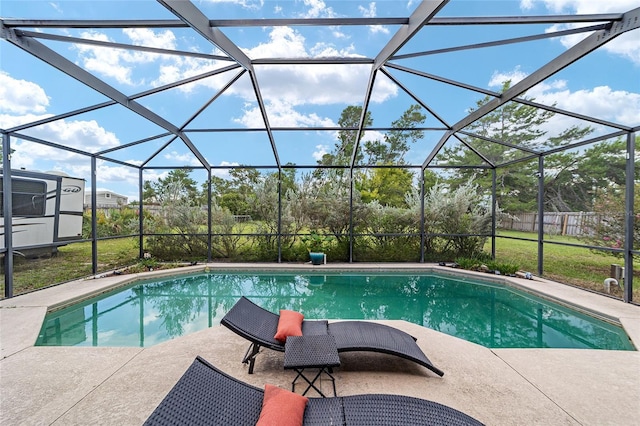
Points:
x=492 y=315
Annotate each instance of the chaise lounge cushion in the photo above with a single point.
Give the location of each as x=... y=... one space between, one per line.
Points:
x=289 y=324
x=281 y=407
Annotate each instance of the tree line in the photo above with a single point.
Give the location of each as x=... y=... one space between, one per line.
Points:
x=384 y=210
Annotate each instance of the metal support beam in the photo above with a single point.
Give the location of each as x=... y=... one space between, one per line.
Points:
x=629 y=217
x=363 y=116
x=524 y=101
x=190 y=14
x=540 y=175
x=423 y=13
x=94 y=218
x=279 y=215
x=141 y=214
x=630 y=21
x=290 y=22
x=58 y=61
x=265 y=117
x=475 y=151
x=494 y=209
x=414 y=97
x=422 y=236
x=7 y=213
x=351 y=215
x=502 y=42
x=132 y=47
x=54 y=59
x=134 y=96
x=209 y=217
x=437 y=148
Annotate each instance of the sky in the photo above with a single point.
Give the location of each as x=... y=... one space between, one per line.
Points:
x=605 y=84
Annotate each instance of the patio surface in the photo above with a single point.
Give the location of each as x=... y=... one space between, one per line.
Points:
x=86 y=385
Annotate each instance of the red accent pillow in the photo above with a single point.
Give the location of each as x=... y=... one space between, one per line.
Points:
x=289 y=324
x=281 y=407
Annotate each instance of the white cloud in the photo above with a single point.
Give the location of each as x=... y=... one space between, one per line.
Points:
x=26 y=102
x=318 y=9
x=21 y=97
x=310 y=84
x=84 y=135
x=284 y=88
x=527 y=4
x=22 y=158
x=72 y=164
x=320 y=151
x=617 y=106
x=107 y=173
x=56 y=7
x=247 y=4
x=318 y=85
x=120 y=179
x=372 y=136
x=625 y=45
x=281 y=114
x=583 y=6
x=146 y=37
x=180 y=68
x=370 y=12
x=119 y=64
x=223 y=173
x=498 y=78
x=152 y=175
x=186 y=158
x=283 y=42
x=314 y=84
x=102 y=60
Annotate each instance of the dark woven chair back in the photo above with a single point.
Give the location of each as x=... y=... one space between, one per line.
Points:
x=205 y=395
x=253 y=323
x=259 y=325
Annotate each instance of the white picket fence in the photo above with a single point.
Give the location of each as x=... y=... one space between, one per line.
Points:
x=555 y=223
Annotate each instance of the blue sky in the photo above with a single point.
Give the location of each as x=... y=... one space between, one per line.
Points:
x=605 y=84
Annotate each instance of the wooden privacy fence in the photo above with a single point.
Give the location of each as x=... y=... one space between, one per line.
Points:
x=555 y=223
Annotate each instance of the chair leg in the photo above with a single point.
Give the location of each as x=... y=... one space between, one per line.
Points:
x=250 y=356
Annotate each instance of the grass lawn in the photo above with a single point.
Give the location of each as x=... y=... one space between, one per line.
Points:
x=71 y=262
x=571 y=265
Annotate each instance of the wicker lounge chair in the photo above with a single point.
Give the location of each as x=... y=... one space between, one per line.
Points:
x=206 y=396
x=259 y=325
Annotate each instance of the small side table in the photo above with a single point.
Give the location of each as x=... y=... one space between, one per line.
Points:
x=321 y=352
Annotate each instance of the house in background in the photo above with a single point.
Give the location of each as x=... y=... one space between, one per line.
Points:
x=105 y=199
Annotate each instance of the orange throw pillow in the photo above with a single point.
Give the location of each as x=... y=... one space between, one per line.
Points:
x=281 y=407
x=289 y=324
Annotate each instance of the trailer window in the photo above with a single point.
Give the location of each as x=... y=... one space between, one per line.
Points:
x=28 y=197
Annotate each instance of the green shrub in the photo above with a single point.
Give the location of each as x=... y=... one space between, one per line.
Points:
x=468 y=263
x=115 y=222
x=508 y=268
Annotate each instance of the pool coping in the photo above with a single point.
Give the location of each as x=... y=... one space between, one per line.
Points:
x=58 y=385
x=590 y=303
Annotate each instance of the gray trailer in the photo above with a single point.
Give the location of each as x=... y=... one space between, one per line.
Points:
x=46 y=211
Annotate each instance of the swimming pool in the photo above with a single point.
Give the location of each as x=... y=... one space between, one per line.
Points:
x=490 y=314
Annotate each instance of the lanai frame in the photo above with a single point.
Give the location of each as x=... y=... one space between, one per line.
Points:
x=604 y=28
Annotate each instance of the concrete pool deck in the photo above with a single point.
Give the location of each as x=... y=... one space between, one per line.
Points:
x=87 y=385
